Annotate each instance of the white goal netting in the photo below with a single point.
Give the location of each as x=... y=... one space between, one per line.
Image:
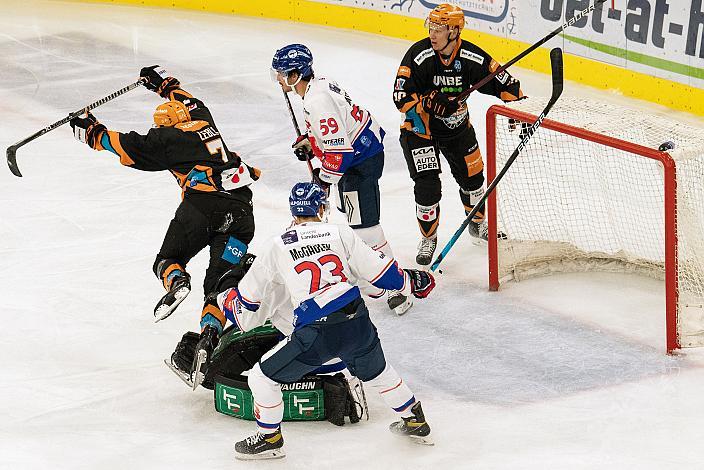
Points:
x=585 y=203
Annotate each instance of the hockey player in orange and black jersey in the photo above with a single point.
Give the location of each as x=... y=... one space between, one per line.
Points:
x=434 y=71
x=216 y=209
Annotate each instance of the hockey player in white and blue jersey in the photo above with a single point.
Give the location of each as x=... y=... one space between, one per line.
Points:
x=316 y=268
x=347 y=140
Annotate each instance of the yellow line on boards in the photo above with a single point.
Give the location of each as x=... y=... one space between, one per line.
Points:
x=597 y=74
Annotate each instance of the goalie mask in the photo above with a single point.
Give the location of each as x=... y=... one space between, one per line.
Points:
x=171 y=113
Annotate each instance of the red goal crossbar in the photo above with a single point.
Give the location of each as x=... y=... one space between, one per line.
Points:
x=669 y=208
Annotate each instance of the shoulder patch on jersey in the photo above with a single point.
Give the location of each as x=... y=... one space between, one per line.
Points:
x=404 y=71
x=424 y=55
x=191 y=126
x=473 y=56
x=289 y=237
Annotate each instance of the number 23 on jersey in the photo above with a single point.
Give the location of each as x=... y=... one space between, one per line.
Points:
x=328 y=269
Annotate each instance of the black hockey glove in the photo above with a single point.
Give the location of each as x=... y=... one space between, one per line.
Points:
x=302 y=148
x=87 y=129
x=157 y=81
x=439 y=104
x=422 y=282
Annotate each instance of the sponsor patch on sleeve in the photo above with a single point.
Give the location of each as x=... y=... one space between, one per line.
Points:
x=234 y=250
x=332 y=161
x=404 y=71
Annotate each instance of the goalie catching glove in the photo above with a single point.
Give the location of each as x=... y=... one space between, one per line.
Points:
x=87 y=129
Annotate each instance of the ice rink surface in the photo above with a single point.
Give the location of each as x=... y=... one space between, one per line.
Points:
x=564 y=372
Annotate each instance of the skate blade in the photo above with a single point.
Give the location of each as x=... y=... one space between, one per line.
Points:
x=478 y=241
x=179 y=373
x=199 y=376
x=164 y=311
x=422 y=440
x=267 y=455
x=404 y=307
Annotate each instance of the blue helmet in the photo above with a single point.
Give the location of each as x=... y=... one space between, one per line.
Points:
x=305 y=199
x=294 y=57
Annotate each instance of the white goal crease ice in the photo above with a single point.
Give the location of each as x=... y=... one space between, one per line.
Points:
x=591 y=192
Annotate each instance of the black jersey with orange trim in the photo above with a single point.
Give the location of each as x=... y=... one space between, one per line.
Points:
x=193 y=151
x=423 y=70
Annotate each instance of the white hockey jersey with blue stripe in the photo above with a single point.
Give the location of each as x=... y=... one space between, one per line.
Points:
x=313 y=268
x=342 y=133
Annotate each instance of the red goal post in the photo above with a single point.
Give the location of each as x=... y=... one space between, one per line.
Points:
x=547 y=224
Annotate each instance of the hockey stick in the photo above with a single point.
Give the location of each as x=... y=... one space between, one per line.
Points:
x=465 y=94
x=298 y=133
x=12 y=149
x=557 y=85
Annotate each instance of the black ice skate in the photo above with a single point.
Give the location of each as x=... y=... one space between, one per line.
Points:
x=398 y=302
x=180 y=288
x=426 y=249
x=480 y=233
x=414 y=427
x=204 y=353
x=182 y=358
x=261 y=446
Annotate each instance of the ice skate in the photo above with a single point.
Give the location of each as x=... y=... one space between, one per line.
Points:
x=479 y=231
x=180 y=288
x=426 y=249
x=185 y=376
x=261 y=446
x=414 y=427
x=204 y=353
x=181 y=362
x=398 y=302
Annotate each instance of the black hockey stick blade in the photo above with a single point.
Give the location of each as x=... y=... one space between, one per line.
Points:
x=12 y=160
x=558 y=79
x=12 y=150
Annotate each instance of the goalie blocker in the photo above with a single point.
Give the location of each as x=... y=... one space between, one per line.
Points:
x=312 y=398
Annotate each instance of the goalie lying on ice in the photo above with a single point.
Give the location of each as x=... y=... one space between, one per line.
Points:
x=329 y=393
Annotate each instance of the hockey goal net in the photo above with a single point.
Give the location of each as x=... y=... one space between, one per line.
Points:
x=591 y=192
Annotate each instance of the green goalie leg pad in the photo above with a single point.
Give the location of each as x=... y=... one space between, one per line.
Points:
x=303 y=400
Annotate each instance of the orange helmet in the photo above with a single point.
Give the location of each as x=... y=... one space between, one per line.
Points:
x=445 y=14
x=171 y=113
